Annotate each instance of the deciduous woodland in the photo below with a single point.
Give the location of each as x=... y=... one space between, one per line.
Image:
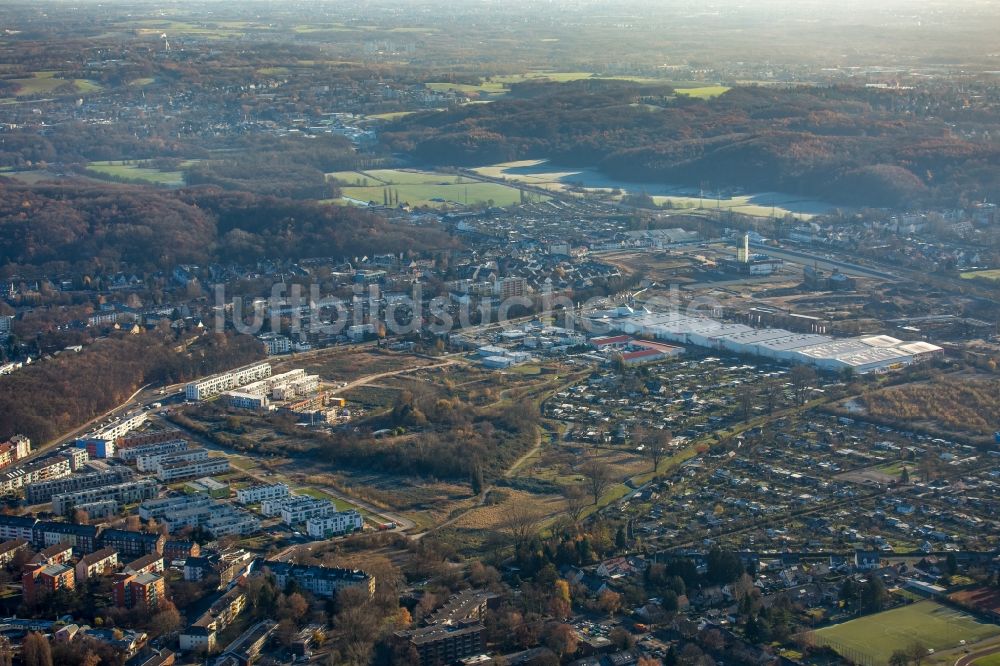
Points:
x=847 y=145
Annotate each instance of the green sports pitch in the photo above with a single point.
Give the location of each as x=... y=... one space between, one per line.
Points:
x=872 y=639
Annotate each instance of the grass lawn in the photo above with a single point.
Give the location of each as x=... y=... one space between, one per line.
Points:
x=44 y=83
x=422 y=188
x=702 y=92
x=992 y=660
x=135 y=172
x=992 y=274
x=876 y=637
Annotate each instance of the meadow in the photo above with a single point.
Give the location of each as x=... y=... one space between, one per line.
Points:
x=875 y=637
x=423 y=188
x=992 y=274
x=45 y=83
x=133 y=171
x=495 y=86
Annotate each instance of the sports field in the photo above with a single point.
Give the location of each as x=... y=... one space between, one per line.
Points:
x=875 y=637
x=423 y=188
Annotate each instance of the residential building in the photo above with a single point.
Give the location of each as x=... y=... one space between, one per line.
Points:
x=321 y=581
x=51 y=467
x=123 y=493
x=17 y=527
x=201 y=634
x=178 y=549
x=147 y=438
x=100 y=442
x=338 y=522
x=259 y=493
x=98 y=510
x=6 y=322
x=152 y=563
x=82 y=537
x=245 y=649
x=152 y=462
x=77 y=458
x=10 y=548
x=143 y=590
x=153 y=449
x=444 y=643
x=275 y=343
x=98 y=563
x=160 y=508
x=14 y=449
x=39 y=580
x=132 y=544
x=168 y=472
x=59 y=553
x=226 y=381
x=44 y=491
x=300 y=509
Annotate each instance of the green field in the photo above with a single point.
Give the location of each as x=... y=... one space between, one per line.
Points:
x=498 y=85
x=992 y=274
x=423 y=188
x=44 y=83
x=992 y=660
x=135 y=172
x=877 y=636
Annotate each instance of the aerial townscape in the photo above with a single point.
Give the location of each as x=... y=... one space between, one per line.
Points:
x=479 y=333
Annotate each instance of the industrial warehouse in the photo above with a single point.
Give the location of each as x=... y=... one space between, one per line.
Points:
x=862 y=355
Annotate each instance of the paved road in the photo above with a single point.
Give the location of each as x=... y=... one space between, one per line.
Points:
x=966 y=660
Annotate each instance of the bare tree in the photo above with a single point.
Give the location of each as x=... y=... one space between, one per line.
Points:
x=598 y=476
x=520 y=524
x=802 y=376
x=577 y=501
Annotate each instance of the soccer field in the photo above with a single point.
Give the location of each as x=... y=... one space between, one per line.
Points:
x=876 y=637
x=424 y=188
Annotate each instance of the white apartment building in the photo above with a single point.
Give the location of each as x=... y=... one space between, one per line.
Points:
x=225 y=381
x=339 y=522
x=262 y=492
x=275 y=344
x=120 y=427
x=152 y=462
x=168 y=472
x=133 y=453
x=301 y=509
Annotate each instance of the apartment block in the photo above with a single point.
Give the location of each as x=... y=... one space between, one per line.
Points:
x=10 y=548
x=17 y=527
x=300 y=509
x=152 y=462
x=201 y=634
x=77 y=458
x=321 y=581
x=444 y=643
x=98 y=563
x=157 y=449
x=338 y=522
x=152 y=563
x=226 y=381
x=83 y=538
x=148 y=438
x=144 y=590
x=168 y=472
x=120 y=493
x=99 y=509
x=52 y=467
x=132 y=544
x=39 y=580
x=44 y=491
x=260 y=493
x=59 y=553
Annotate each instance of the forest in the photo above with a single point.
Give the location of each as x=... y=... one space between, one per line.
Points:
x=97 y=227
x=846 y=145
x=70 y=389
